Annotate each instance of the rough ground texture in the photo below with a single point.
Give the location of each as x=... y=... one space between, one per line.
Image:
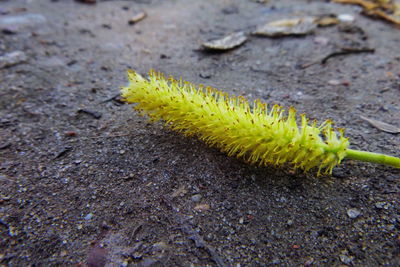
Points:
x=110 y=188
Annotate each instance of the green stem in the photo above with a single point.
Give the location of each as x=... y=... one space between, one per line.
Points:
x=373 y=157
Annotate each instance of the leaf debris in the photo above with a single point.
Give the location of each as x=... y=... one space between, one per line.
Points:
x=383 y=126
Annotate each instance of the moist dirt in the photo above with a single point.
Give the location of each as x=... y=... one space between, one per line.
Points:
x=84 y=180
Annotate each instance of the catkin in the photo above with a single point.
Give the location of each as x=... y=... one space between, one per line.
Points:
x=254 y=132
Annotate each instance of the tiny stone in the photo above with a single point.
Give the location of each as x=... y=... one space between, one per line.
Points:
x=12 y=59
x=205 y=74
x=63 y=253
x=309 y=262
x=339 y=173
x=353 y=213
x=196 y=198
x=346 y=18
x=241 y=220
x=276 y=261
x=321 y=40
x=333 y=82
x=380 y=205
x=89 y=216
x=282 y=199
x=289 y=222
x=345 y=259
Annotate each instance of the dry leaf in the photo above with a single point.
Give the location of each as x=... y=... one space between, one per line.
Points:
x=228 y=42
x=295 y=26
x=202 y=207
x=327 y=20
x=382 y=125
x=181 y=191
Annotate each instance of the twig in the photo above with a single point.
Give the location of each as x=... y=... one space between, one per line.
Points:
x=200 y=243
x=63 y=151
x=344 y=51
x=115 y=98
x=94 y=114
x=193 y=235
x=347 y=51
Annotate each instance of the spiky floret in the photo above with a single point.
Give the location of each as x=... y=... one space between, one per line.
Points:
x=254 y=132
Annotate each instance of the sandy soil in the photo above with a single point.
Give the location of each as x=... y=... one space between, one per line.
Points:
x=85 y=180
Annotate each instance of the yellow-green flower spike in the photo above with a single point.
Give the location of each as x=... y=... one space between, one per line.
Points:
x=259 y=135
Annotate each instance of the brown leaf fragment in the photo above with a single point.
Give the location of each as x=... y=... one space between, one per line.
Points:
x=327 y=20
x=284 y=27
x=202 y=207
x=382 y=125
x=181 y=191
x=138 y=17
x=227 y=42
x=365 y=4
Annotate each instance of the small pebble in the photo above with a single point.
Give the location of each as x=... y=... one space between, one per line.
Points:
x=89 y=216
x=345 y=259
x=11 y=59
x=321 y=40
x=346 y=83
x=346 y=18
x=333 y=82
x=276 y=261
x=353 y=213
x=309 y=262
x=196 y=198
x=63 y=253
x=241 y=220
x=381 y=205
x=70 y=133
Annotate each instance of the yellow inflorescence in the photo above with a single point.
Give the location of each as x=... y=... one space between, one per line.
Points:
x=260 y=135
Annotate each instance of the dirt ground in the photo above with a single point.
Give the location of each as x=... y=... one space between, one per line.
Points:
x=84 y=180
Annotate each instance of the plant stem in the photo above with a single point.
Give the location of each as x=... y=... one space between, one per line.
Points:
x=373 y=157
